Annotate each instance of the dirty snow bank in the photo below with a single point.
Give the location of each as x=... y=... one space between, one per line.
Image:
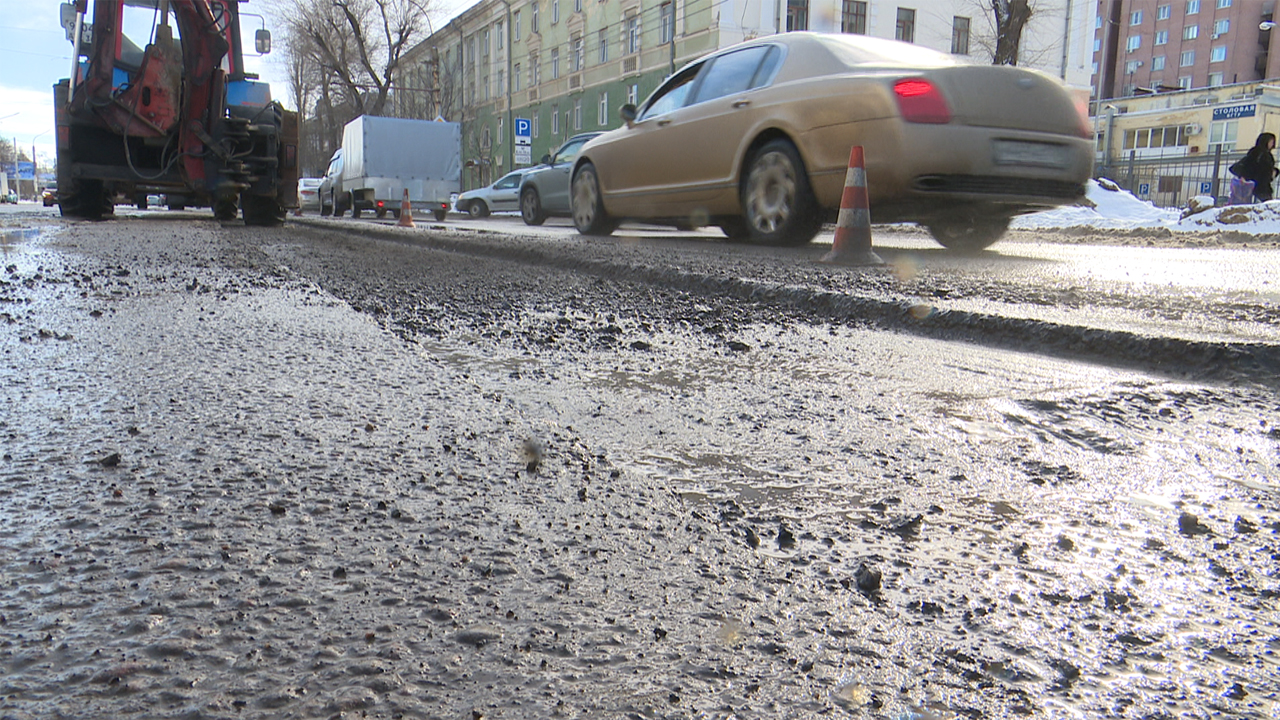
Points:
x=1113 y=208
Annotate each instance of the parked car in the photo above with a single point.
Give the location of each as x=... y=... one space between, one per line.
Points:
x=756 y=139
x=49 y=196
x=501 y=196
x=544 y=191
x=332 y=199
x=309 y=193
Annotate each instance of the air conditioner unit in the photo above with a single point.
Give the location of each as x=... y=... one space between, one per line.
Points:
x=1192 y=128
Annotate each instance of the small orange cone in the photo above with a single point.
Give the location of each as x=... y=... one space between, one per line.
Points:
x=852 y=244
x=406 y=212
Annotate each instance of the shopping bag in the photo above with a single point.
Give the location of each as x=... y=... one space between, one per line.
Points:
x=1241 y=191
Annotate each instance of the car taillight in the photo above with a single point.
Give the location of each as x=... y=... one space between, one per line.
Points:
x=379 y=203
x=920 y=101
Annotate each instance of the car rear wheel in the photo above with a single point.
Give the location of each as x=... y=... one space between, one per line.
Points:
x=968 y=234
x=735 y=229
x=477 y=209
x=777 y=202
x=440 y=214
x=531 y=207
x=588 y=205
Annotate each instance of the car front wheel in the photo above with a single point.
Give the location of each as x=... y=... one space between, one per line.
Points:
x=588 y=205
x=968 y=234
x=477 y=209
x=777 y=202
x=531 y=207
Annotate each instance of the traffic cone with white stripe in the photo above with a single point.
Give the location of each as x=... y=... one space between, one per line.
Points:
x=852 y=244
x=406 y=211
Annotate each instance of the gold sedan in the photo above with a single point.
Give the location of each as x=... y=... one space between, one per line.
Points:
x=756 y=139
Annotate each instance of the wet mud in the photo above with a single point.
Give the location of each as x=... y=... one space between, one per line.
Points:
x=310 y=474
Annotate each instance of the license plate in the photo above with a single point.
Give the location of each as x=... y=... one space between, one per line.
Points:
x=1030 y=154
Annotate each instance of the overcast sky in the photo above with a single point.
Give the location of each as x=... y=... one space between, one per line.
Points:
x=35 y=54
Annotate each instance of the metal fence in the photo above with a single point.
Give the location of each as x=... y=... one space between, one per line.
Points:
x=1171 y=181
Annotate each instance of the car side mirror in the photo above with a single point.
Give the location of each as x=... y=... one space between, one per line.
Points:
x=627 y=113
x=546 y=160
x=262 y=41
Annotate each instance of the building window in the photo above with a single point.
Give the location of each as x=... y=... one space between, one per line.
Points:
x=604 y=108
x=1224 y=133
x=797 y=15
x=555 y=63
x=1132 y=66
x=555 y=120
x=1157 y=63
x=498 y=87
x=577 y=114
x=1162 y=12
x=533 y=18
x=1097 y=44
x=604 y=45
x=1224 y=4
x=515 y=26
x=515 y=77
x=555 y=11
x=1188 y=59
x=1142 y=138
x=1162 y=37
x=853 y=17
x=960 y=36
x=501 y=130
x=633 y=34
x=905 y=30
x=666 y=23
x=484 y=83
x=1191 y=32
x=484 y=47
x=1215 y=79
x=633 y=94
x=575 y=62
x=1135 y=42
x=535 y=72
x=1097 y=22
x=499 y=35
x=1220 y=27
x=1135 y=17
x=1193 y=7
x=1184 y=82
x=1218 y=53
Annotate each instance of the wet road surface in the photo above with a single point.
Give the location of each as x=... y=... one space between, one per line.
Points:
x=304 y=473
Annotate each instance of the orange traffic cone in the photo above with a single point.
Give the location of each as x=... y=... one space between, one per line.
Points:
x=406 y=212
x=852 y=245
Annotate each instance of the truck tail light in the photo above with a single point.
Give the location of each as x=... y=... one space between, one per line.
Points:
x=920 y=101
x=379 y=204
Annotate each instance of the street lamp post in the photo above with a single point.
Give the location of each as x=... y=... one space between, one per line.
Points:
x=35 y=166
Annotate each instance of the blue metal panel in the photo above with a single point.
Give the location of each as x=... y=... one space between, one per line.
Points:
x=248 y=93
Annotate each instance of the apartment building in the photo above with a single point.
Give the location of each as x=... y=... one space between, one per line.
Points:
x=1152 y=46
x=560 y=67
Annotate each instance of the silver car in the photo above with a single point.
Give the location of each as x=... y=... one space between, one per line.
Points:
x=502 y=196
x=545 y=189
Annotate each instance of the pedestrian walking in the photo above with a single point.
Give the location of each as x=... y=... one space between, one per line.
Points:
x=1259 y=166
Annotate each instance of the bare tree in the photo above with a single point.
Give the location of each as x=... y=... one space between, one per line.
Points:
x=356 y=45
x=1011 y=16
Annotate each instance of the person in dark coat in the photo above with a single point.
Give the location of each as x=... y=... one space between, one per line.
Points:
x=1259 y=166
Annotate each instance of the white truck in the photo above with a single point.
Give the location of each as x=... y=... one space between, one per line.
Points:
x=381 y=157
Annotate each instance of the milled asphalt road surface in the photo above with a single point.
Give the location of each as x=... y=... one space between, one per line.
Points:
x=300 y=473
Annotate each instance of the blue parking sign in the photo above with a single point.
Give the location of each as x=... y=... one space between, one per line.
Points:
x=523 y=131
x=1144 y=188
x=1206 y=188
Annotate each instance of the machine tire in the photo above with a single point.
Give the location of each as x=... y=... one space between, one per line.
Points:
x=224 y=208
x=355 y=213
x=380 y=213
x=777 y=202
x=177 y=206
x=587 y=204
x=86 y=200
x=262 y=210
x=141 y=202
x=531 y=207
x=439 y=214
x=969 y=234
x=325 y=210
x=477 y=209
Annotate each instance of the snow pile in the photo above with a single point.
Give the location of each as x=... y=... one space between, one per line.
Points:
x=1116 y=209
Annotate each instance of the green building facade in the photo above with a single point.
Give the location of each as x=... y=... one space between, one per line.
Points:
x=564 y=66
